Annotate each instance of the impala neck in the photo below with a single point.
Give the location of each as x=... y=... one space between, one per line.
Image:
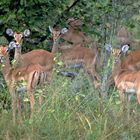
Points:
x=55 y=46
x=116 y=68
x=17 y=57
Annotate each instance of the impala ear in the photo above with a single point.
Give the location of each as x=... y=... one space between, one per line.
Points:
x=125 y=48
x=12 y=45
x=26 y=33
x=50 y=29
x=108 y=47
x=64 y=30
x=9 y=32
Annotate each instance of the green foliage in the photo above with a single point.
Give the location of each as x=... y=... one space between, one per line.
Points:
x=100 y=17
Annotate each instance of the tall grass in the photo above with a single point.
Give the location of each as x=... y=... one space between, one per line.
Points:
x=73 y=110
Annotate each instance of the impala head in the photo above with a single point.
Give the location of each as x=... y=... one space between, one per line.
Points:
x=3 y=52
x=18 y=37
x=117 y=52
x=55 y=33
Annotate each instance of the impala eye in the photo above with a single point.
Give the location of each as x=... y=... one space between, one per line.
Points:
x=21 y=35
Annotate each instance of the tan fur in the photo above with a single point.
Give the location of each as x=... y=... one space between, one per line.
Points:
x=132 y=61
x=125 y=79
x=135 y=43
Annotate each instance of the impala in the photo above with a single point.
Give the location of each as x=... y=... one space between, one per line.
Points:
x=39 y=56
x=77 y=55
x=125 y=80
x=33 y=74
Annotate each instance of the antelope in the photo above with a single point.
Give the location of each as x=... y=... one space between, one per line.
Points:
x=33 y=74
x=132 y=60
x=39 y=56
x=76 y=55
x=125 y=80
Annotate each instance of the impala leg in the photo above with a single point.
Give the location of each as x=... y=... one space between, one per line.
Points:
x=19 y=105
x=14 y=103
x=41 y=97
x=47 y=76
x=92 y=72
x=96 y=75
x=32 y=101
x=122 y=96
x=40 y=100
x=30 y=95
x=12 y=91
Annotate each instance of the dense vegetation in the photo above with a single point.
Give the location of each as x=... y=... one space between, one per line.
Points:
x=72 y=108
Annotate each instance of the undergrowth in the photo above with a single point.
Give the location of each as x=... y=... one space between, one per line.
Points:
x=71 y=110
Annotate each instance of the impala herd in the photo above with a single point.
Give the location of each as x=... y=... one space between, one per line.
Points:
x=36 y=66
